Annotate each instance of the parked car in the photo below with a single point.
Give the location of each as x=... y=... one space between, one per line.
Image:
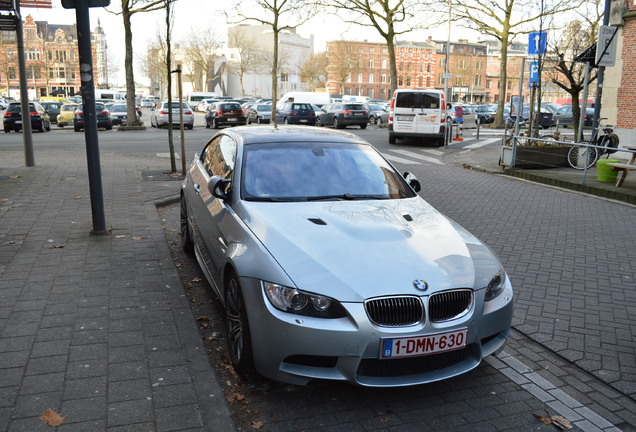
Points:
x=205 y=104
x=119 y=113
x=3 y=104
x=331 y=266
x=564 y=118
x=546 y=118
x=375 y=111
x=259 y=113
x=296 y=113
x=159 y=116
x=147 y=103
x=383 y=117
x=67 y=114
x=12 y=119
x=103 y=117
x=343 y=114
x=485 y=113
x=224 y=113
x=52 y=108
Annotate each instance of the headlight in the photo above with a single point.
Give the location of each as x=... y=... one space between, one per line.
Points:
x=298 y=302
x=496 y=285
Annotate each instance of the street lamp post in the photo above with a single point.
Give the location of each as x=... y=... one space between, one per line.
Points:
x=181 y=131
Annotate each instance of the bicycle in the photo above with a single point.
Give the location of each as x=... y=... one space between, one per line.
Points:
x=583 y=156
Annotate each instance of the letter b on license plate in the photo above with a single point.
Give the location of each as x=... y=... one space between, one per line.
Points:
x=423 y=345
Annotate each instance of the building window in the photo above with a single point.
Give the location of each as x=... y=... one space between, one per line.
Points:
x=385 y=51
x=383 y=78
x=487 y=84
x=428 y=81
x=428 y=67
x=11 y=72
x=360 y=50
x=370 y=77
x=10 y=54
x=60 y=56
x=421 y=81
x=371 y=50
x=461 y=63
x=32 y=54
x=442 y=62
x=383 y=63
x=359 y=77
x=31 y=34
x=440 y=79
x=408 y=81
x=477 y=80
x=478 y=65
x=370 y=63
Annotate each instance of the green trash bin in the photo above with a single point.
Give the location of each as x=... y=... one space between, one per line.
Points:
x=605 y=173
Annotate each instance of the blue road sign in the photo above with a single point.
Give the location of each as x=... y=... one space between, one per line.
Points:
x=534 y=73
x=537 y=43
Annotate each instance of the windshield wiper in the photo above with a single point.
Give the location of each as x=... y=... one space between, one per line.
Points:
x=346 y=196
x=273 y=199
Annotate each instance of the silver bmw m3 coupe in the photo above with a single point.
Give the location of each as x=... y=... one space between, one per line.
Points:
x=330 y=266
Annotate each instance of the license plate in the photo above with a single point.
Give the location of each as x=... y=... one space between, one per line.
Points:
x=405 y=118
x=18 y=122
x=423 y=345
x=303 y=121
x=358 y=114
x=232 y=119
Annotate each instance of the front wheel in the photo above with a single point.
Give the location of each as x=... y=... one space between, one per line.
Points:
x=581 y=157
x=363 y=126
x=238 y=332
x=378 y=121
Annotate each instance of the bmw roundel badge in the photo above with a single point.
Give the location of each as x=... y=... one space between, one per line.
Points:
x=420 y=285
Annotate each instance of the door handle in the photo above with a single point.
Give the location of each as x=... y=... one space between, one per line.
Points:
x=197 y=188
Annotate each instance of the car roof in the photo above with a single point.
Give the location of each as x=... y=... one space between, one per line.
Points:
x=250 y=135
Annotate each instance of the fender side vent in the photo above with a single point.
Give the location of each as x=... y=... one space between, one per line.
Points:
x=317 y=221
x=408 y=217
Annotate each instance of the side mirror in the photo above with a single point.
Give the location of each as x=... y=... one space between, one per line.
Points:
x=412 y=181
x=217 y=187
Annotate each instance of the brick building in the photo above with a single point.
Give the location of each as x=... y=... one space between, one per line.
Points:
x=362 y=68
x=51 y=57
x=467 y=64
x=619 y=89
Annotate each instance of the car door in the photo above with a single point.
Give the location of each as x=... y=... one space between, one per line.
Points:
x=217 y=159
x=323 y=114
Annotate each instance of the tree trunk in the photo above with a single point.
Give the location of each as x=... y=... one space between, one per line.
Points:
x=503 y=79
x=390 y=39
x=131 y=110
x=275 y=75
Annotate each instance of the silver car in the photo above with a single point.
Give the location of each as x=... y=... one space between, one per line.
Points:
x=330 y=266
x=159 y=116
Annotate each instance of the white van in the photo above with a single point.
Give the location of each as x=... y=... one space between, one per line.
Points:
x=316 y=98
x=417 y=114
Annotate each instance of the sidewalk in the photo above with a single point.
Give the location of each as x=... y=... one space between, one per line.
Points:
x=96 y=328
x=486 y=159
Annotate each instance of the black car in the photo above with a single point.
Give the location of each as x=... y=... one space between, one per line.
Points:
x=224 y=113
x=485 y=113
x=52 y=108
x=296 y=113
x=343 y=114
x=104 y=119
x=40 y=120
x=564 y=117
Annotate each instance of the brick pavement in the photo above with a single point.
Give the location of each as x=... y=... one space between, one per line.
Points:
x=95 y=328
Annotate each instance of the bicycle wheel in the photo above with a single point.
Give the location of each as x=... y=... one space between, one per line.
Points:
x=580 y=157
x=609 y=142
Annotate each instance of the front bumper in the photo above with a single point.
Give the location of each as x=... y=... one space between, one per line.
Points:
x=296 y=349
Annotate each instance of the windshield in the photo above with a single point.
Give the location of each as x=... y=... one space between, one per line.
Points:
x=311 y=171
x=118 y=108
x=416 y=100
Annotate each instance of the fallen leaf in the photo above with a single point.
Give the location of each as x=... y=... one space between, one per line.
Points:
x=15 y=176
x=187 y=284
x=384 y=420
x=257 y=425
x=560 y=422
x=139 y=237
x=197 y=279
x=51 y=418
x=203 y=318
x=120 y=236
x=78 y=197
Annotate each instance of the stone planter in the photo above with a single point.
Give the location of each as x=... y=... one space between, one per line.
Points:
x=536 y=157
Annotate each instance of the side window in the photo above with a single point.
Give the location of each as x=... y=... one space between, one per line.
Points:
x=219 y=157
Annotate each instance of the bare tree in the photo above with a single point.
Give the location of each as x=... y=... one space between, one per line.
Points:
x=314 y=71
x=385 y=16
x=503 y=20
x=248 y=59
x=564 y=70
x=154 y=64
x=280 y=15
x=343 y=63
x=199 y=48
x=128 y=9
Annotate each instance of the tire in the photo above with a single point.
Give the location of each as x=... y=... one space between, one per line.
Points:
x=186 y=232
x=318 y=122
x=41 y=128
x=336 y=125
x=247 y=121
x=580 y=157
x=238 y=331
x=48 y=127
x=363 y=126
x=190 y=127
x=214 y=125
x=109 y=127
x=207 y=125
x=7 y=130
x=391 y=139
x=610 y=142
x=378 y=121
x=286 y=121
x=77 y=129
x=372 y=119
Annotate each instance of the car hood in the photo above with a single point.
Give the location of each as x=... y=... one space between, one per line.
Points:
x=353 y=250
